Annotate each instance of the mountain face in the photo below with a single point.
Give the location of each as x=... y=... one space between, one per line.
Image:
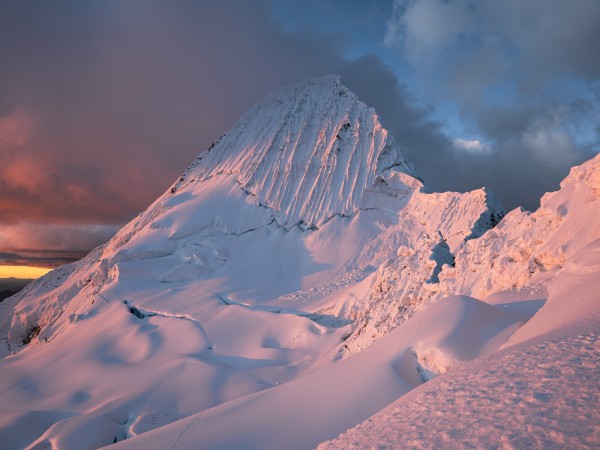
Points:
x=300 y=257
x=548 y=367
x=434 y=230
x=308 y=152
x=311 y=170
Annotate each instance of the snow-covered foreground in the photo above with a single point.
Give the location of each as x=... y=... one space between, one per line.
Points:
x=298 y=279
x=540 y=392
x=303 y=412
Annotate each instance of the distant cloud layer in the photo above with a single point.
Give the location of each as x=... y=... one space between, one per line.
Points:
x=47 y=244
x=103 y=104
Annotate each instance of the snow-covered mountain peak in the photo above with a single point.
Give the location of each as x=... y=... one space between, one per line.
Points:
x=308 y=151
x=229 y=305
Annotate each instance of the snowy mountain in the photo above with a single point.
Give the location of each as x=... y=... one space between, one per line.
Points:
x=298 y=276
x=541 y=390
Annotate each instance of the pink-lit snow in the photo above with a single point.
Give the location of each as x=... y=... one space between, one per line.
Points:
x=299 y=282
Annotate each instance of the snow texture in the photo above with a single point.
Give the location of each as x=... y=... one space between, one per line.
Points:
x=296 y=280
x=308 y=151
x=540 y=391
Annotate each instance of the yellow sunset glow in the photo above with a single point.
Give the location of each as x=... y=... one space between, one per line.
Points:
x=22 y=271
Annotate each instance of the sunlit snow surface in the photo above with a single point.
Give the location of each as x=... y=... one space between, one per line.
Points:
x=295 y=281
x=541 y=392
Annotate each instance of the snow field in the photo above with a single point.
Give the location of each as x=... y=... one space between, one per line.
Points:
x=298 y=279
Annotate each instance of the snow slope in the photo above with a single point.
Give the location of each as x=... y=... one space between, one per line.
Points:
x=308 y=151
x=433 y=228
x=541 y=391
x=296 y=279
x=304 y=190
x=523 y=249
x=528 y=246
x=301 y=413
x=501 y=373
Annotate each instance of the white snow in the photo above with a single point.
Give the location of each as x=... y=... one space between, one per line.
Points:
x=302 y=412
x=282 y=291
x=540 y=391
x=308 y=151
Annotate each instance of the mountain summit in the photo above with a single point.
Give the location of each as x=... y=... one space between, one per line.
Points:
x=297 y=276
x=308 y=151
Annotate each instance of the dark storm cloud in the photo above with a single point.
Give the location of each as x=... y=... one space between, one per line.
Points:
x=40 y=258
x=117 y=95
x=537 y=38
x=49 y=245
x=533 y=147
x=103 y=104
x=522 y=75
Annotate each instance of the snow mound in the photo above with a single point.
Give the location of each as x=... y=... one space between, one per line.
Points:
x=327 y=401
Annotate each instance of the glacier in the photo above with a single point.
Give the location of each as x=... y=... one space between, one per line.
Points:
x=294 y=281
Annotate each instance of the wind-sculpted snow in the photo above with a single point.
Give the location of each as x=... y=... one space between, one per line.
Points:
x=286 y=202
x=540 y=390
x=47 y=304
x=431 y=229
x=523 y=248
x=312 y=161
x=532 y=245
x=539 y=396
x=227 y=312
x=308 y=151
x=301 y=413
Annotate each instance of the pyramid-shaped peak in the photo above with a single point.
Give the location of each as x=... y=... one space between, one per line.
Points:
x=328 y=91
x=308 y=151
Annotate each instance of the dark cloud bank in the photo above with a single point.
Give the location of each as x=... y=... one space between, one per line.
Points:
x=103 y=104
x=10 y=286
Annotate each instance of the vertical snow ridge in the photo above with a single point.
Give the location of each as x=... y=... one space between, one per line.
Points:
x=308 y=151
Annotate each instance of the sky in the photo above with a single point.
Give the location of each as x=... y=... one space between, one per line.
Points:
x=104 y=103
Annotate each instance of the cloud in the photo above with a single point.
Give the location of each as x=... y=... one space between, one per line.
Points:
x=543 y=36
x=466 y=51
x=523 y=77
x=14 y=131
x=49 y=245
x=426 y=28
x=473 y=146
x=104 y=104
x=39 y=258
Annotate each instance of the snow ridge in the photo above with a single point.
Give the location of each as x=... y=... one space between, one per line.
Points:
x=308 y=151
x=431 y=230
x=222 y=311
x=527 y=245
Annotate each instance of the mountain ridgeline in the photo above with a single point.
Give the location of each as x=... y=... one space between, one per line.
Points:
x=284 y=253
